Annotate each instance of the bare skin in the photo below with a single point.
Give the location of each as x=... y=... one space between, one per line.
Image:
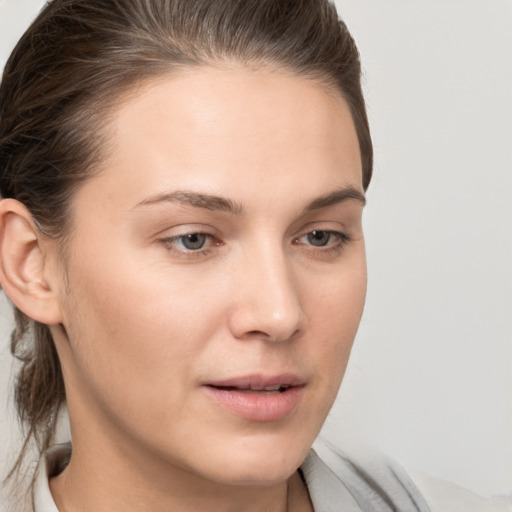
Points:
x=221 y=242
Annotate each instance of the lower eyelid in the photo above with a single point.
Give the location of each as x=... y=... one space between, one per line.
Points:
x=337 y=241
x=173 y=246
x=338 y=235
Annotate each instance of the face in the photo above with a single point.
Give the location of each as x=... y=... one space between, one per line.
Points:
x=216 y=274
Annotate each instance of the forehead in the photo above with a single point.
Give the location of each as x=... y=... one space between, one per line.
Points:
x=233 y=131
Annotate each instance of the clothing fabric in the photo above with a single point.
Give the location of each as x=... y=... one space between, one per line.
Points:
x=362 y=483
x=336 y=483
x=444 y=496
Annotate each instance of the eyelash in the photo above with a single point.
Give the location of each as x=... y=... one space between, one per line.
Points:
x=342 y=239
x=170 y=244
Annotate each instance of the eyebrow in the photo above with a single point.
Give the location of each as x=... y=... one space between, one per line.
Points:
x=338 y=196
x=198 y=200
x=217 y=203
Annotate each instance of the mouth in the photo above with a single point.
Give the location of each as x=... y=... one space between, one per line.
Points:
x=258 y=398
x=258 y=390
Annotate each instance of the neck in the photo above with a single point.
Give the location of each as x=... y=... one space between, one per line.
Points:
x=109 y=478
x=113 y=470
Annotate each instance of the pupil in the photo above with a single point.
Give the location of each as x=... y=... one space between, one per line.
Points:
x=318 y=238
x=194 y=241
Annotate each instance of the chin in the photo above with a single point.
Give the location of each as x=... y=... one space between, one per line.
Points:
x=258 y=472
x=252 y=461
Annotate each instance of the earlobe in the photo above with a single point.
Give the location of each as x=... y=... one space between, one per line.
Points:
x=23 y=272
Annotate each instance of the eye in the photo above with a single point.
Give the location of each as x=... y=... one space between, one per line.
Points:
x=323 y=238
x=319 y=238
x=191 y=244
x=191 y=241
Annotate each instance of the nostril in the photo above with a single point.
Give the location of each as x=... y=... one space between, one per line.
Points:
x=273 y=335
x=255 y=334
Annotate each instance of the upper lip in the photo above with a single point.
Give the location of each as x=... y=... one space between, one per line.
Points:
x=258 y=381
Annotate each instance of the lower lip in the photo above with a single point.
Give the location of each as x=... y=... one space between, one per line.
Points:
x=257 y=406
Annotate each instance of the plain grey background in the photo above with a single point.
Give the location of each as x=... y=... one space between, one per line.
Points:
x=430 y=380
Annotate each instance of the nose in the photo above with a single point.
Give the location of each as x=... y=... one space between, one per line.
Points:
x=267 y=301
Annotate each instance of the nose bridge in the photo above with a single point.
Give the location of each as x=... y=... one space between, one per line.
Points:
x=269 y=302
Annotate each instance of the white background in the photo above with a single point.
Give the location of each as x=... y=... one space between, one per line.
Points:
x=430 y=379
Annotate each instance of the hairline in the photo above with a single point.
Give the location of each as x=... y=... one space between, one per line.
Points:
x=127 y=89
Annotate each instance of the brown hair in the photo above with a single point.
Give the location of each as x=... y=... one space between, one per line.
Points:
x=67 y=73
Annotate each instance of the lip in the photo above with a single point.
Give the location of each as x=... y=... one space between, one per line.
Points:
x=246 y=397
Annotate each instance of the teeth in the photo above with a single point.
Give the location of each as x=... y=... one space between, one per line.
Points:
x=273 y=388
x=277 y=388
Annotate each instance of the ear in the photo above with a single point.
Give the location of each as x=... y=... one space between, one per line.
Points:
x=25 y=266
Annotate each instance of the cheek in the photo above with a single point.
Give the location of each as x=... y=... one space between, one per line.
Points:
x=133 y=332
x=334 y=317
x=134 y=321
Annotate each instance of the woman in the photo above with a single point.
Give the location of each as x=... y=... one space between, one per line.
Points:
x=183 y=185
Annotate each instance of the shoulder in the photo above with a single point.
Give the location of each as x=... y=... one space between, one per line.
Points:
x=53 y=462
x=363 y=481
x=367 y=480
x=447 y=497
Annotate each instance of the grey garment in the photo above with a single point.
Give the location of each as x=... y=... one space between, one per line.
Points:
x=362 y=484
x=338 y=485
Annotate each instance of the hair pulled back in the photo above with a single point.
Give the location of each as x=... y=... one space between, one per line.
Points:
x=74 y=64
